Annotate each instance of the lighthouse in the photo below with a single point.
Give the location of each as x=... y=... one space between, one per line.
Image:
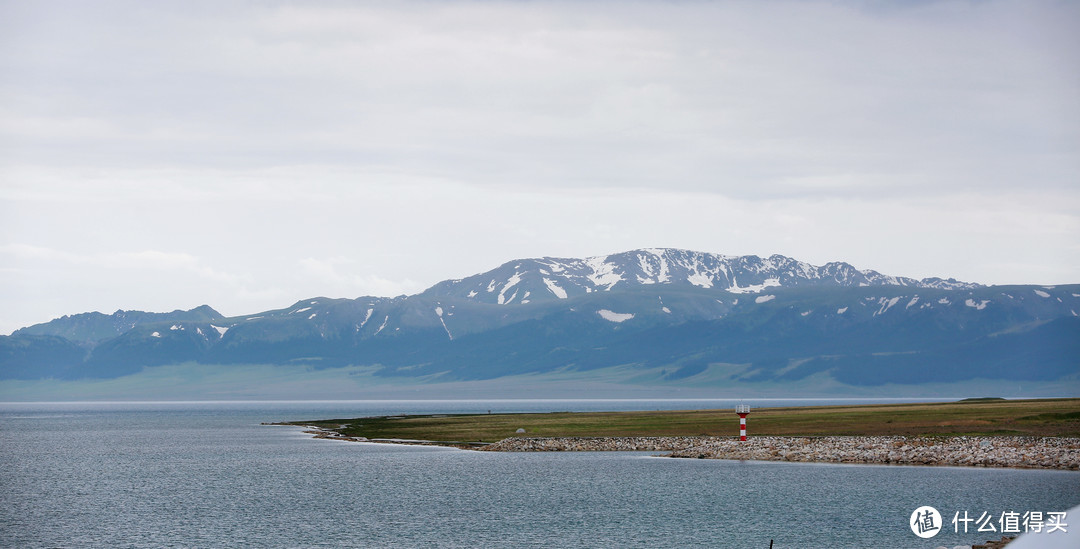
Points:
x=743 y=410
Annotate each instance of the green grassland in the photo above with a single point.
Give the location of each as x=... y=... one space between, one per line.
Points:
x=986 y=417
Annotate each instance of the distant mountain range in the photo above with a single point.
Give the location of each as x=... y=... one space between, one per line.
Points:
x=661 y=315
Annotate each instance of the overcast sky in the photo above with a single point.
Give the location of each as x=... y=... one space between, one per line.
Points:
x=162 y=155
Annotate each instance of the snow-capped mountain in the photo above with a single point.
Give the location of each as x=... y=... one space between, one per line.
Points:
x=656 y=314
x=545 y=279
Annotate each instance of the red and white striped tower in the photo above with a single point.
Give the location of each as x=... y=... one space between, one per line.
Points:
x=743 y=410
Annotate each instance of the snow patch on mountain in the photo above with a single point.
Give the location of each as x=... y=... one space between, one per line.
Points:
x=513 y=281
x=753 y=288
x=439 y=313
x=886 y=304
x=603 y=273
x=554 y=288
x=700 y=279
x=764 y=298
x=653 y=266
x=662 y=306
x=612 y=316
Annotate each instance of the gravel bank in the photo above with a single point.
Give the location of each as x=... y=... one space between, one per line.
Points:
x=1024 y=452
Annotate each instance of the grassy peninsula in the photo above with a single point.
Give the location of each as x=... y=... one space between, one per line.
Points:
x=975 y=417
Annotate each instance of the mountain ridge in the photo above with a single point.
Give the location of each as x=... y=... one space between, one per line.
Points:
x=92 y=327
x=560 y=278
x=688 y=315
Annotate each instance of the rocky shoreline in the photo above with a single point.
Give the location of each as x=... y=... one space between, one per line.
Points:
x=964 y=451
x=1004 y=451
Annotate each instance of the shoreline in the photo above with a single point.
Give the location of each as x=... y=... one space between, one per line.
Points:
x=330 y=434
x=1015 y=452
x=965 y=451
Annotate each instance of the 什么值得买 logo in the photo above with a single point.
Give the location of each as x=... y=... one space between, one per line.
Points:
x=925 y=522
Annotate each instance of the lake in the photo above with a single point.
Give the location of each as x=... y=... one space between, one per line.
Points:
x=207 y=474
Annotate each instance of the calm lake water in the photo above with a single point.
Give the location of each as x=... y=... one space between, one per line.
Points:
x=209 y=475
